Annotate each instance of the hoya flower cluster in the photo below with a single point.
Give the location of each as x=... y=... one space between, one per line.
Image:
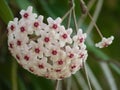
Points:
x=105 y=42
x=43 y=49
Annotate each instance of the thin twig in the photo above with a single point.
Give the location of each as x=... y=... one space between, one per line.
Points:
x=98 y=30
x=69 y=17
x=93 y=19
x=68 y=12
x=75 y=21
x=83 y=16
x=86 y=74
x=69 y=20
x=74 y=17
x=85 y=10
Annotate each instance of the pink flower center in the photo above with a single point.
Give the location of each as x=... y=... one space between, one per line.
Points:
x=58 y=70
x=46 y=39
x=26 y=57
x=54 y=52
x=25 y=15
x=18 y=42
x=12 y=27
x=36 y=24
x=11 y=45
x=37 y=50
x=60 y=62
x=74 y=66
x=105 y=44
x=41 y=66
x=31 y=69
x=81 y=55
x=54 y=26
x=71 y=55
x=61 y=77
x=22 y=29
x=17 y=57
x=81 y=40
x=64 y=36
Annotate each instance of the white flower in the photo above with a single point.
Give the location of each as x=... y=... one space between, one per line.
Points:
x=54 y=24
x=28 y=15
x=37 y=49
x=79 y=38
x=64 y=36
x=105 y=42
x=72 y=53
x=38 y=25
x=46 y=50
x=12 y=26
x=24 y=29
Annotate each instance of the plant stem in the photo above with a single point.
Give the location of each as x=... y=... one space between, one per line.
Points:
x=68 y=12
x=57 y=84
x=93 y=19
x=98 y=30
x=75 y=21
x=69 y=20
x=74 y=17
x=83 y=16
x=85 y=9
x=86 y=74
x=14 y=76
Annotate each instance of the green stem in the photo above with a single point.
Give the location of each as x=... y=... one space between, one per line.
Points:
x=14 y=75
x=83 y=16
x=98 y=30
x=86 y=74
x=57 y=84
x=75 y=21
x=94 y=18
x=74 y=17
x=68 y=12
x=69 y=16
x=69 y=20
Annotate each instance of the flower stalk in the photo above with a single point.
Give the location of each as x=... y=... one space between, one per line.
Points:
x=14 y=75
x=57 y=85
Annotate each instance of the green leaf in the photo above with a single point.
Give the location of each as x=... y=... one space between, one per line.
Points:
x=104 y=66
x=21 y=84
x=5 y=12
x=93 y=78
x=40 y=83
x=80 y=80
x=46 y=7
x=98 y=53
x=23 y=4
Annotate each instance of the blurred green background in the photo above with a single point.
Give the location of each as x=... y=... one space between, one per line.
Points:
x=103 y=65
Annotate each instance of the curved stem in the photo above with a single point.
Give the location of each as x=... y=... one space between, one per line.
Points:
x=86 y=74
x=14 y=75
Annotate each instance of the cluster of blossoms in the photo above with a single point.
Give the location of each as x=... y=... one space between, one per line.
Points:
x=105 y=42
x=43 y=49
